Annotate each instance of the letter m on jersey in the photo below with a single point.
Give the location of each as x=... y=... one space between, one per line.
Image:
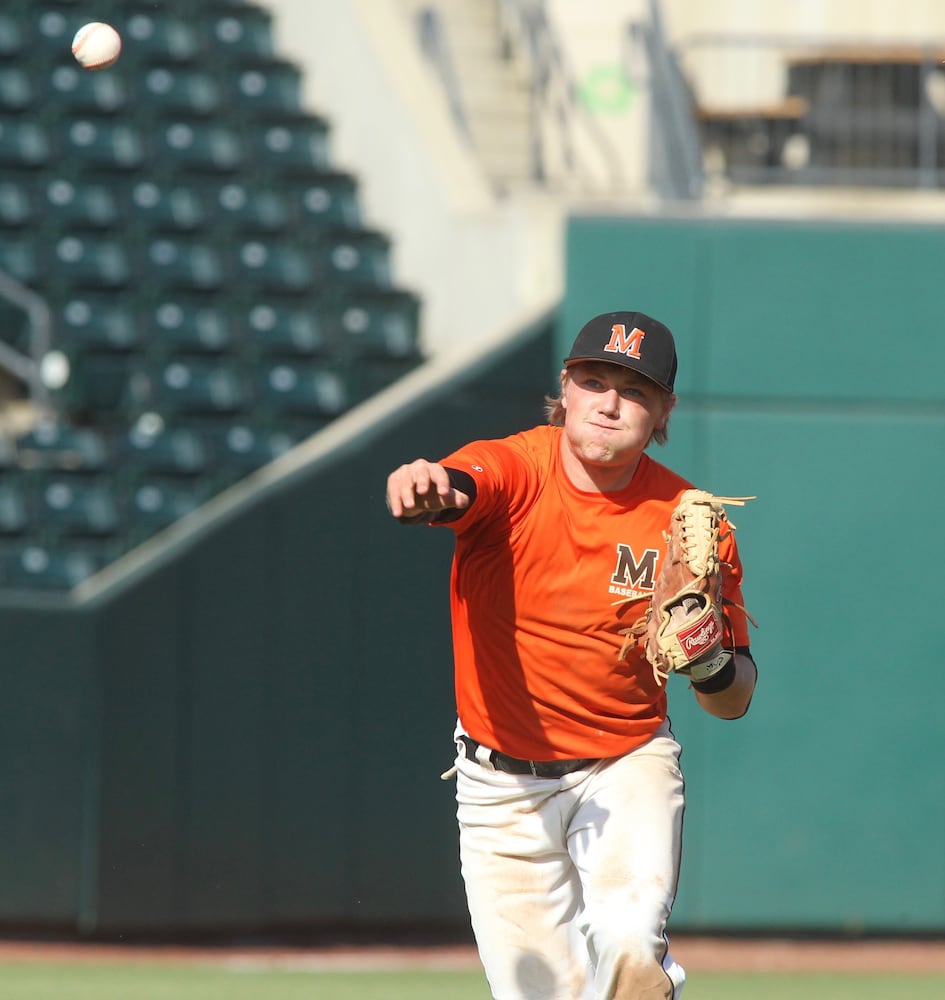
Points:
x=622 y=342
x=633 y=572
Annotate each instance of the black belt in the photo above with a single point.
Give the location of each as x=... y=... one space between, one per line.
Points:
x=536 y=768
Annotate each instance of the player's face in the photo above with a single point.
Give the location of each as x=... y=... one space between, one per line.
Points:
x=611 y=412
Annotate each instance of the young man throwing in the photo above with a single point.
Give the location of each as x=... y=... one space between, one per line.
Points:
x=569 y=793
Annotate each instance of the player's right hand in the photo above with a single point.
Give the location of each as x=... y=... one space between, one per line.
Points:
x=422 y=487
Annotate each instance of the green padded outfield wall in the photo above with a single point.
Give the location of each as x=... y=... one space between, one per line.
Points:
x=812 y=373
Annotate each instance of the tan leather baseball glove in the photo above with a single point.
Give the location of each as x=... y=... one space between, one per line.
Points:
x=683 y=628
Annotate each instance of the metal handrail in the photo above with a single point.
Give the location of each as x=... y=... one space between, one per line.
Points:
x=915 y=162
x=676 y=169
x=27 y=368
x=556 y=105
x=434 y=43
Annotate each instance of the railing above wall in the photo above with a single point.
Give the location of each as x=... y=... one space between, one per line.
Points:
x=674 y=150
x=566 y=148
x=737 y=108
x=789 y=110
x=435 y=43
x=28 y=368
x=817 y=112
x=567 y=143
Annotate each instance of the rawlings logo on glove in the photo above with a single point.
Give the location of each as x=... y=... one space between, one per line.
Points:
x=683 y=628
x=699 y=638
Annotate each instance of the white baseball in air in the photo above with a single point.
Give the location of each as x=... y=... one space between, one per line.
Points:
x=96 y=46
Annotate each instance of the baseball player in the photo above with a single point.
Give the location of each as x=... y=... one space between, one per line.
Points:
x=569 y=793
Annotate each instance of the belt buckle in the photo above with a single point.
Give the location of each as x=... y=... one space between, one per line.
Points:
x=533 y=768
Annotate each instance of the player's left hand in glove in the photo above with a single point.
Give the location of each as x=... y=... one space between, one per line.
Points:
x=684 y=628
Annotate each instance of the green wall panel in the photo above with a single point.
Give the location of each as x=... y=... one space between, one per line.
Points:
x=48 y=774
x=841 y=311
x=810 y=375
x=845 y=312
x=652 y=266
x=139 y=654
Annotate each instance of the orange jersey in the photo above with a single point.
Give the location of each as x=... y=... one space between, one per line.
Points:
x=544 y=578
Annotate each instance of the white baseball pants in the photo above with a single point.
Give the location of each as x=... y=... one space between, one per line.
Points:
x=570 y=881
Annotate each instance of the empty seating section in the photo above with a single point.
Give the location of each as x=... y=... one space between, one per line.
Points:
x=216 y=295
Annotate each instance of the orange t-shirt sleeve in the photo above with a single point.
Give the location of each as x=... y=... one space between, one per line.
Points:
x=737 y=631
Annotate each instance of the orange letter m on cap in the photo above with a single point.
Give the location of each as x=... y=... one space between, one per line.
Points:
x=623 y=343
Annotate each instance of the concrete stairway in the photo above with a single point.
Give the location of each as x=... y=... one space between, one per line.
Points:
x=494 y=88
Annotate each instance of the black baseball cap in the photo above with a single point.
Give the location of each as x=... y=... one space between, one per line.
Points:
x=631 y=339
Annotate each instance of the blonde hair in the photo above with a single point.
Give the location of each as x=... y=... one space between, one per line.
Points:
x=554 y=411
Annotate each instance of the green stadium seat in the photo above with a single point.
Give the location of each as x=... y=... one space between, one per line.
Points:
x=185 y=386
x=242 y=448
x=179 y=90
x=16 y=203
x=19 y=257
x=36 y=567
x=75 y=504
x=286 y=326
x=65 y=202
x=155 y=36
x=97 y=388
x=182 y=262
x=193 y=145
x=78 y=91
x=150 y=503
x=322 y=389
x=90 y=260
x=239 y=32
x=88 y=321
x=381 y=322
x=51 y=27
x=261 y=88
x=191 y=325
x=13 y=36
x=88 y=143
x=17 y=90
x=267 y=263
x=352 y=256
x=24 y=143
x=53 y=202
x=151 y=447
x=289 y=144
x=323 y=198
x=163 y=207
x=238 y=208
x=14 y=513
x=55 y=445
